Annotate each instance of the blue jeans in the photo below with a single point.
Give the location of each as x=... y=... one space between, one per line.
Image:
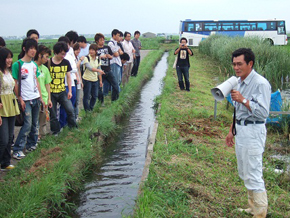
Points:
x=111 y=79
x=62 y=113
x=62 y=99
x=6 y=137
x=106 y=87
x=182 y=72
x=78 y=95
x=28 y=134
x=116 y=69
x=90 y=94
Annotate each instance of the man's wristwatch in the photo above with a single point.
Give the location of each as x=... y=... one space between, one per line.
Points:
x=244 y=101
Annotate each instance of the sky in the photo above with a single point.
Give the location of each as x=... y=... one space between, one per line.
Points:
x=56 y=17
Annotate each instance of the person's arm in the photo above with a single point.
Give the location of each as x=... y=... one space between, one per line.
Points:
x=109 y=56
x=69 y=94
x=120 y=51
x=49 y=103
x=114 y=49
x=259 y=106
x=176 y=51
x=188 y=50
x=116 y=54
x=89 y=67
x=230 y=138
x=101 y=80
x=22 y=103
x=15 y=70
x=39 y=90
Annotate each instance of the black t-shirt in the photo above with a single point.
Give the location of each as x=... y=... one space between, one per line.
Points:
x=105 y=62
x=57 y=73
x=183 y=57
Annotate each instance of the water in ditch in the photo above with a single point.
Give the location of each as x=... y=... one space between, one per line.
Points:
x=112 y=189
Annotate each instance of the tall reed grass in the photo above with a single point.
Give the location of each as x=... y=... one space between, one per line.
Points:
x=272 y=62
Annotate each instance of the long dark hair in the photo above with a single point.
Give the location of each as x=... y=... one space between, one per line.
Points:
x=27 y=44
x=4 y=53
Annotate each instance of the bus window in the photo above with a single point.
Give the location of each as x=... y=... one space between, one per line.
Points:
x=210 y=27
x=281 y=27
x=248 y=26
x=198 y=26
x=190 y=27
x=271 y=26
x=267 y=26
x=185 y=28
x=228 y=26
x=262 y=25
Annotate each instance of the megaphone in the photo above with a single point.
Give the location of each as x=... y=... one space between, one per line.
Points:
x=222 y=90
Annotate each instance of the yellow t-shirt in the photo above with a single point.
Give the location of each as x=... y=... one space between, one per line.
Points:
x=90 y=75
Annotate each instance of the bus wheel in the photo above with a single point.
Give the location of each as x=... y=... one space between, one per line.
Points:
x=270 y=41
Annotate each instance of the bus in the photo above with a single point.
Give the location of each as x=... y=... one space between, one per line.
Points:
x=197 y=30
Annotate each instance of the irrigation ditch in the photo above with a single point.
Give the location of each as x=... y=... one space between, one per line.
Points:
x=42 y=183
x=112 y=188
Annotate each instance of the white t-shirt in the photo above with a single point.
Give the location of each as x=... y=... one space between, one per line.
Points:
x=84 y=51
x=128 y=48
x=29 y=73
x=70 y=57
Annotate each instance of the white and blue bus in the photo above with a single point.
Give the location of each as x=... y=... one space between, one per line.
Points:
x=197 y=30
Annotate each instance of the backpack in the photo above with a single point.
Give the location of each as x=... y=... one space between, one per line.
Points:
x=83 y=67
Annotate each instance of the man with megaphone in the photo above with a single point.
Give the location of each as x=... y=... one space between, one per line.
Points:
x=252 y=104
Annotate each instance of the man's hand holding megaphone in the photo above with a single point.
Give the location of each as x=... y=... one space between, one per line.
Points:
x=237 y=96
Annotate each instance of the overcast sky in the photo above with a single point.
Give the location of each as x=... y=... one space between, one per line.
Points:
x=158 y=16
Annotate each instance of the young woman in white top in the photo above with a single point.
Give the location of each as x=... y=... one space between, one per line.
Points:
x=8 y=108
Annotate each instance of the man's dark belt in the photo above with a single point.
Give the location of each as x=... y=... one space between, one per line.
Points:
x=246 y=122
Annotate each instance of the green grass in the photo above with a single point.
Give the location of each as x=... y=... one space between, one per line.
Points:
x=39 y=185
x=193 y=173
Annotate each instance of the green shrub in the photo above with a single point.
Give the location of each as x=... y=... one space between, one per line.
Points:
x=272 y=62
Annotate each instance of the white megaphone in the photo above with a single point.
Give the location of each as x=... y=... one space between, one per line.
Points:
x=222 y=90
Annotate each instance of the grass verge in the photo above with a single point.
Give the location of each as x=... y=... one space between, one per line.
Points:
x=40 y=184
x=193 y=173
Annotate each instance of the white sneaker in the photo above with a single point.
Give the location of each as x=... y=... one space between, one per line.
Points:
x=18 y=155
x=32 y=148
x=21 y=153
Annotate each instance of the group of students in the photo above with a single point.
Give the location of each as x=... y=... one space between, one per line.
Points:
x=38 y=83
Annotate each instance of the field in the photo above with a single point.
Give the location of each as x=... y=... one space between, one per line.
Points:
x=147 y=44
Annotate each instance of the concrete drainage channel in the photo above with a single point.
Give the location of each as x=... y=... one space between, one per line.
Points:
x=112 y=189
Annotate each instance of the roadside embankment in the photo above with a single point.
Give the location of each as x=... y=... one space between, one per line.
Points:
x=193 y=173
x=39 y=185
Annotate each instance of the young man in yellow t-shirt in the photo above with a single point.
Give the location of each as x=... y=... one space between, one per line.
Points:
x=59 y=68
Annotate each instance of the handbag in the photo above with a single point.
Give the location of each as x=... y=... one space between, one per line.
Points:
x=19 y=119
